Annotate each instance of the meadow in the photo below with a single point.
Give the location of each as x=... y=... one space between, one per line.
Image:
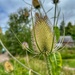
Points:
x=38 y=65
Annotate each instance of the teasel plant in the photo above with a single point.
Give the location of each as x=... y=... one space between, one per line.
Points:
x=44 y=38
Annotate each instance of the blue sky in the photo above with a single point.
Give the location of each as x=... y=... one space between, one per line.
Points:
x=10 y=6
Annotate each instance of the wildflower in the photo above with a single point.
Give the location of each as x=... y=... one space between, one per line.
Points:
x=36 y=4
x=43 y=35
x=55 y=1
x=25 y=45
x=8 y=66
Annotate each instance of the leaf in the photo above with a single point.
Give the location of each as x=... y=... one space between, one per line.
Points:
x=57 y=33
x=56 y=63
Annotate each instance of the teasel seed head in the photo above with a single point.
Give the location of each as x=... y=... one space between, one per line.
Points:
x=43 y=35
x=8 y=66
x=36 y=4
x=55 y=1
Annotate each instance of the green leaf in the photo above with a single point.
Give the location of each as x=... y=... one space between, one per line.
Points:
x=56 y=63
x=57 y=33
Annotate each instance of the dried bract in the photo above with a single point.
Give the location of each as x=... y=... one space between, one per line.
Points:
x=8 y=66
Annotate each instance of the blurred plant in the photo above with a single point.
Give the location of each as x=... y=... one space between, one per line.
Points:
x=8 y=66
x=19 y=25
x=24 y=45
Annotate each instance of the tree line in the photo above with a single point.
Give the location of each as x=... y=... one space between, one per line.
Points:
x=18 y=31
x=69 y=29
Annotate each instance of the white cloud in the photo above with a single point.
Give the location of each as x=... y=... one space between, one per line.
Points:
x=9 y=6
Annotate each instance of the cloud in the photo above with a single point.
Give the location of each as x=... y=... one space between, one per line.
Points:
x=68 y=8
x=9 y=6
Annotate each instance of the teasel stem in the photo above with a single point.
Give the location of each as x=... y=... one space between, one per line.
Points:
x=44 y=11
x=53 y=26
x=27 y=59
x=55 y=13
x=48 y=64
x=52 y=43
x=58 y=48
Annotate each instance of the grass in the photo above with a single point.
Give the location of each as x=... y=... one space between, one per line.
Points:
x=69 y=62
x=68 y=53
x=18 y=70
x=36 y=64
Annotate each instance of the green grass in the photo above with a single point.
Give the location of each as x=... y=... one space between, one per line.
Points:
x=18 y=69
x=69 y=62
x=68 y=53
x=36 y=64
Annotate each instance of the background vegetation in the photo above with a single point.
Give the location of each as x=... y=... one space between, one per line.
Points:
x=18 y=31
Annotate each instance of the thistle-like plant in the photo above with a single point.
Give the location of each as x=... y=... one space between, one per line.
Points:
x=44 y=37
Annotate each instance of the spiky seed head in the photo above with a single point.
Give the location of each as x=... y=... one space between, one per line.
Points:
x=8 y=66
x=43 y=35
x=55 y=1
x=36 y=4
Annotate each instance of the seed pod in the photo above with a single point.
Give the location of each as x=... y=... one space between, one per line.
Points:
x=8 y=66
x=55 y=1
x=36 y=4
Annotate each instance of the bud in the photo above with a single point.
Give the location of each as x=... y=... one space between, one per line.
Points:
x=8 y=66
x=55 y=1
x=36 y=4
x=25 y=45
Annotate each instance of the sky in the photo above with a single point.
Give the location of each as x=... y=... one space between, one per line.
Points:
x=10 y=6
